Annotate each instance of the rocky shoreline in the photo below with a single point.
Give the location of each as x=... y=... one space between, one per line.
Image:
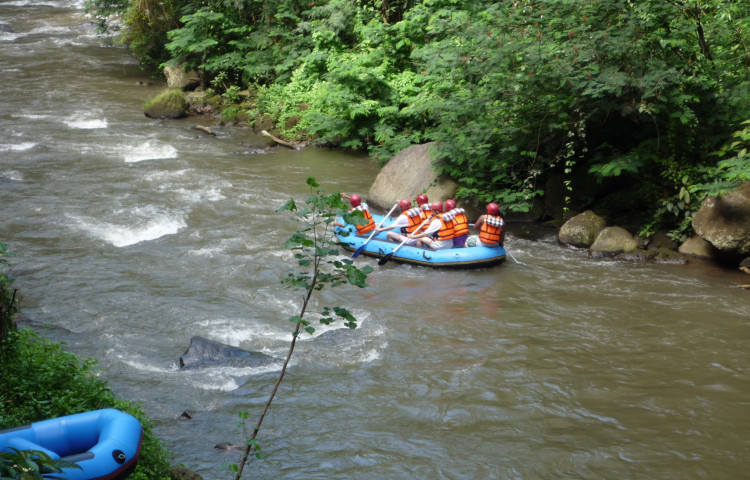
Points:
x=721 y=225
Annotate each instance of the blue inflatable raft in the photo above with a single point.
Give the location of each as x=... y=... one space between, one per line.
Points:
x=104 y=443
x=379 y=246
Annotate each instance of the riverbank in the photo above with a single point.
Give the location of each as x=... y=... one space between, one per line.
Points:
x=41 y=380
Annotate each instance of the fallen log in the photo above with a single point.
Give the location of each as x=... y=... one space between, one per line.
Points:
x=279 y=141
x=205 y=130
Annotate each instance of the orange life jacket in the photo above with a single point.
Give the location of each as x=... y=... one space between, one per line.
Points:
x=491 y=230
x=425 y=211
x=415 y=220
x=446 y=228
x=361 y=229
x=460 y=223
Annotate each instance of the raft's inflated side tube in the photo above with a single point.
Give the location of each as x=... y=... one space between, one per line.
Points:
x=105 y=443
x=379 y=247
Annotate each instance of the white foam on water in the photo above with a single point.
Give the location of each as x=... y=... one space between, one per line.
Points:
x=86 y=120
x=9 y=37
x=141 y=230
x=16 y=147
x=45 y=3
x=206 y=252
x=165 y=175
x=33 y=116
x=197 y=196
x=235 y=332
x=150 y=150
x=223 y=379
x=370 y=356
x=12 y=175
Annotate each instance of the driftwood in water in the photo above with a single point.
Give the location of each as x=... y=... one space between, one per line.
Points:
x=205 y=130
x=279 y=141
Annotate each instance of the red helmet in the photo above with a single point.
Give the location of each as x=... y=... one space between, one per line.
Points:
x=436 y=206
x=450 y=204
x=422 y=198
x=404 y=204
x=493 y=209
x=355 y=200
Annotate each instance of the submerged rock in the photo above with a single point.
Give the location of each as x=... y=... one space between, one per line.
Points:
x=203 y=353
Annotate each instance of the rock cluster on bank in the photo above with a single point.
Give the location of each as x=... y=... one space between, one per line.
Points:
x=722 y=227
x=588 y=230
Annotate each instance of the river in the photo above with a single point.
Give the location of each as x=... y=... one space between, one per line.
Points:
x=132 y=235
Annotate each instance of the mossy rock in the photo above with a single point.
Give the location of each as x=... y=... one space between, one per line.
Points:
x=581 y=230
x=168 y=104
x=613 y=241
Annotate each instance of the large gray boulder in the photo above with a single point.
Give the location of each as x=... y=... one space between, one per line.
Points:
x=613 y=241
x=406 y=175
x=581 y=231
x=725 y=221
x=178 y=77
x=203 y=353
x=696 y=246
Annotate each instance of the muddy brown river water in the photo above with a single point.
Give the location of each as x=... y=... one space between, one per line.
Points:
x=132 y=235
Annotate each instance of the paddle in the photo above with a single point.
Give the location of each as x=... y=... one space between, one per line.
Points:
x=385 y=259
x=514 y=258
x=374 y=231
x=506 y=251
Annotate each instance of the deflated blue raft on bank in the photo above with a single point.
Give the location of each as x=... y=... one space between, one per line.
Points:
x=105 y=443
x=379 y=247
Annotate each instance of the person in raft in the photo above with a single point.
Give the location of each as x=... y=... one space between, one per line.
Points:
x=424 y=204
x=356 y=203
x=408 y=222
x=460 y=223
x=491 y=227
x=439 y=233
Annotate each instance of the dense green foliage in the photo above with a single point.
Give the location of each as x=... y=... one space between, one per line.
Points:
x=40 y=380
x=513 y=92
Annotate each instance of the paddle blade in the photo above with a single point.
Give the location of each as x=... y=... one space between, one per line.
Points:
x=358 y=251
x=385 y=259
